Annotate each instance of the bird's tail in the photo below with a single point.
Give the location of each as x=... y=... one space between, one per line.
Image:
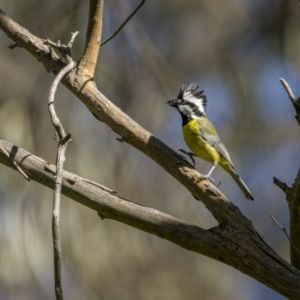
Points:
x=241 y=184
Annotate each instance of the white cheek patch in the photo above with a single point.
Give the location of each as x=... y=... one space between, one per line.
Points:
x=188 y=96
x=187 y=110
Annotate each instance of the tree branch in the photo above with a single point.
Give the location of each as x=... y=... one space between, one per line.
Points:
x=295 y=102
x=123 y=24
x=88 y=61
x=294 y=208
x=223 y=243
x=284 y=231
x=14 y=162
x=283 y=186
x=63 y=140
x=54 y=118
x=293 y=194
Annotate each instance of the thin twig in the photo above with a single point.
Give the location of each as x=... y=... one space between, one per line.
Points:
x=283 y=186
x=294 y=100
x=54 y=118
x=15 y=163
x=123 y=24
x=288 y=90
x=73 y=36
x=284 y=231
x=63 y=140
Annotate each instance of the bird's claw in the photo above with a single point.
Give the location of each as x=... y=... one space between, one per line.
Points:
x=207 y=178
x=190 y=155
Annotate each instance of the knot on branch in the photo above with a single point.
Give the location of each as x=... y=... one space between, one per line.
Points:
x=12 y=46
x=66 y=139
x=63 y=50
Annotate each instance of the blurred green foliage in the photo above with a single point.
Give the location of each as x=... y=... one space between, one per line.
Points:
x=236 y=51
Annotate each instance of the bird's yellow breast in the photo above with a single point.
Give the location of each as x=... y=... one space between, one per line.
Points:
x=193 y=138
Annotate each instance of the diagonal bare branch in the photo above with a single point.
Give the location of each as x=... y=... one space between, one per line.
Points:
x=123 y=24
x=284 y=231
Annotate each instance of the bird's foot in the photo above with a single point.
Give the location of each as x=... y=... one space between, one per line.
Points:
x=190 y=155
x=207 y=177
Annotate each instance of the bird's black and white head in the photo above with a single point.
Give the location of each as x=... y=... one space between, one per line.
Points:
x=190 y=102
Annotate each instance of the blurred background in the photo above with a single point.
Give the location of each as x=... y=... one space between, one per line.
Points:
x=236 y=51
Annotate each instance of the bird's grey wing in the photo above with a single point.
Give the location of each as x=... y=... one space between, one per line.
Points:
x=215 y=142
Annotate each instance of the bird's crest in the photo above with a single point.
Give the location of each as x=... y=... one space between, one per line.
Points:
x=190 y=92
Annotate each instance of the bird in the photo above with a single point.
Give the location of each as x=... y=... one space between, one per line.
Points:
x=201 y=136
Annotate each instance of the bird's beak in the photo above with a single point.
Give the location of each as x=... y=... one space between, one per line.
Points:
x=172 y=102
